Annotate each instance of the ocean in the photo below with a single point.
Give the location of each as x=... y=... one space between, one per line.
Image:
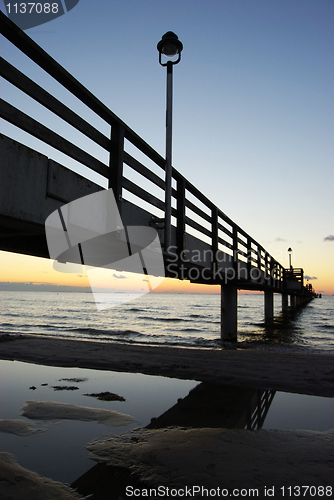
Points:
x=182 y=320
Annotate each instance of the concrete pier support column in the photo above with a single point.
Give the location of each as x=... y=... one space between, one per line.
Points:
x=268 y=306
x=285 y=302
x=229 y=305
x=292 y=301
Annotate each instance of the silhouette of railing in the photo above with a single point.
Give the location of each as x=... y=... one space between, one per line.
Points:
x=257 y=416
x=192 y=212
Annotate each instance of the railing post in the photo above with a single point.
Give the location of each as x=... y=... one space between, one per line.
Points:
x=273 y=272
x=259 y=259
x=249 y=258
x=214 y=236
x=235 y=251
x=267 y=269
x=116 y=162
x=180 y=214
x=281 y=276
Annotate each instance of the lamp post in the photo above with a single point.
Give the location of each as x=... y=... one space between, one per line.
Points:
x=169 y=46
x=290 y=253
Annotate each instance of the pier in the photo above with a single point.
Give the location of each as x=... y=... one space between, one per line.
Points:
x=206 y=246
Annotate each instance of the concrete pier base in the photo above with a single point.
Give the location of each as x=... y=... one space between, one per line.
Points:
x=293 y=301
x=268 y=306
x=229 y=305
x=285 y=302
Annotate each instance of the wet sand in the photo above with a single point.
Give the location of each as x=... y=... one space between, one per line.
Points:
x=17 y=483
x=221 y=458
x=298 y=372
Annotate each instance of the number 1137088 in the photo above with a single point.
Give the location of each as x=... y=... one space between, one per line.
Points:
x=309 y=491
x=32 y=8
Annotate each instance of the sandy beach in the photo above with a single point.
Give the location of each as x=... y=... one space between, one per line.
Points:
x=179 y=457
x=300 y=372
x=231 y=459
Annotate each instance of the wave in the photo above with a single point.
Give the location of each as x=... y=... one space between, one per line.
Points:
x=78 y=310
x=13 y=315
x=168 y=320
x=107 y=333
x=329 y=327
x=188 y=330
x=41 y=325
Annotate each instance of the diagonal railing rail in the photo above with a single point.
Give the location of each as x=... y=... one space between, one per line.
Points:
x=192 y=212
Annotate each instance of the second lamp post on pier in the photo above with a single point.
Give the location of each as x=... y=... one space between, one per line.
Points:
x=290 y=254
x=170 y=47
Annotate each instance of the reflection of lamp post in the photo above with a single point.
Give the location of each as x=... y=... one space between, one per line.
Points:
x=290 y=253
x=169 y=46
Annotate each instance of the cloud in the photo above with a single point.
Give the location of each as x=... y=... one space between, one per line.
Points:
x=119 y=276
x=280 y=239
x=329 y=238
x=310 y=277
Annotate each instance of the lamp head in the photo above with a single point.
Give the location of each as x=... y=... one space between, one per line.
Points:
x=170 y=46
x=290 y=253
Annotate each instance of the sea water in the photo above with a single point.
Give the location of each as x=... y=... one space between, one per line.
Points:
x=58 y=450
x=183 y=320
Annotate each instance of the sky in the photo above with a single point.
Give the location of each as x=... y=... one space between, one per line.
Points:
x=253 y=112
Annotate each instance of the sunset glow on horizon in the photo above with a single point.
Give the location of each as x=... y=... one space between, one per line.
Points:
x=19 y=268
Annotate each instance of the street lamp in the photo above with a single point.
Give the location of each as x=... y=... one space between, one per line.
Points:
x=290 y=253
x=169 y=46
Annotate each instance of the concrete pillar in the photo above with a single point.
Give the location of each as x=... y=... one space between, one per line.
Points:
x=268 y=306
x=229 y=305
x=285 y=302
x=292 y=301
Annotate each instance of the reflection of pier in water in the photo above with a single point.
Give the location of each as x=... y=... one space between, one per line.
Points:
x=213 y=405
x=206 y=406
